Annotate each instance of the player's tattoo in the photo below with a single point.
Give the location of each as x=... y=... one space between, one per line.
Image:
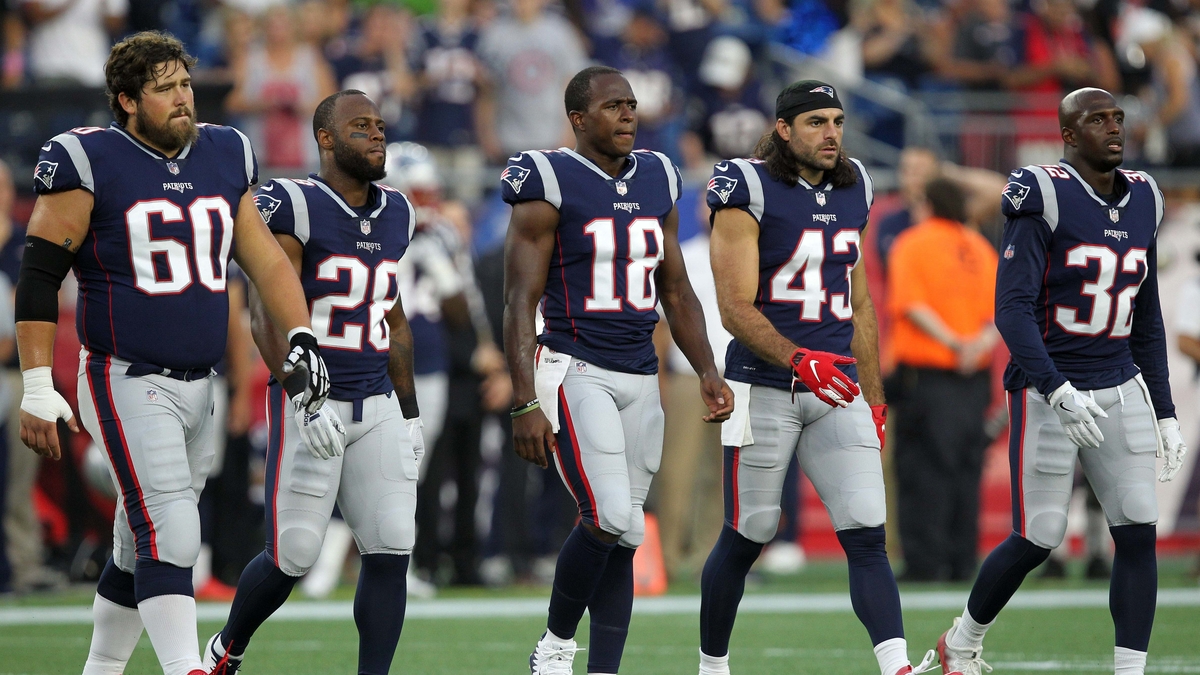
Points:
x=358 y=134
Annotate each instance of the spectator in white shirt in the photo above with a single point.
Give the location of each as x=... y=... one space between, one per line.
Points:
x=69 y=39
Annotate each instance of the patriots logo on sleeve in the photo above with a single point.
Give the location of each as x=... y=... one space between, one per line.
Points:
x=44 y=171
x=722 y=187
x=515 y=176
x=1015 y=193
x=266 y=206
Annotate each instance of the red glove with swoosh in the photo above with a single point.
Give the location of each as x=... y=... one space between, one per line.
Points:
x=879 y=414
x=818 y=371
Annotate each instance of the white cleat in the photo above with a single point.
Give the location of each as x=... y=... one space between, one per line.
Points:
x=960 y=661
x=418 y=587
x=553 y=657
x=219 y=664
x=783 y=557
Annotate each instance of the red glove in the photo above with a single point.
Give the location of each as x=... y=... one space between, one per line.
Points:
x=879 y=414
x=818 y=371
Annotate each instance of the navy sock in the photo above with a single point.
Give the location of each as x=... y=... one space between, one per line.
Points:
x=1134 y=589
x=116 y=586
x=581 y=563
x=152 y=578
x=262 y=589
x=721 y=588
x=379 y=605
x=610 y=609
x=873 y=591
x=1001 y=575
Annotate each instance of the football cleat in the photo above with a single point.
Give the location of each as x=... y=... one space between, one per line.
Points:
x=219 y=664
x=960 y=661
x=552 y=657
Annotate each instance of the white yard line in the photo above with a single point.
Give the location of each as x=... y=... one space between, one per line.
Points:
x=484 y=608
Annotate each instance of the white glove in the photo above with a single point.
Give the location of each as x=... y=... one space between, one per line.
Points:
x=418 y=439
x=322 y=431
x=1078 y=415
x=1172 y=448
x=40 y=398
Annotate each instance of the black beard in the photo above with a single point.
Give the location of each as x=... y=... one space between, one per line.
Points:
x=167 y=137
x=810 y=161
x=355 y=164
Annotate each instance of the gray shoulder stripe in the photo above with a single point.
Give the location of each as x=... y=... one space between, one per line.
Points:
x=248 y=153
x=382 y=204
x=754 y=185
x=550 y=190
x=79 y=157
x=1049 y=195
x=1159 y=206
x=300 y=225
x=868 y=184
x=412 y=217
x=670 y=167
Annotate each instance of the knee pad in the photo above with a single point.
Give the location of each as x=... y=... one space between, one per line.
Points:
x=178 y=533
x=1138 y=504
x=636 y=533
x=865 y=504
x=397 y=525
x=615 y=513
x=298 y=549
x=1045 y=528
x=759 y=525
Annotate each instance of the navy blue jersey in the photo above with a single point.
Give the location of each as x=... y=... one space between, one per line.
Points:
x=153 y=265
x=600 y=297
x=808 y=243
x=1076 y=290
x=348 y=272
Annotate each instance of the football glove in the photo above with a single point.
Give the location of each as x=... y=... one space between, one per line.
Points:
x=322 y=431
x=879 y=414
x=40 y=398
x=818 y=371
x=307 y=383
x=1172 y=448
x=1078 y=415
x=418 y=439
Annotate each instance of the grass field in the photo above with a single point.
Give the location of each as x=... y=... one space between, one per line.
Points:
x=503 y=626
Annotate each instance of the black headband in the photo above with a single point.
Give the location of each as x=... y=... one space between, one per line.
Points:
x=804 y=96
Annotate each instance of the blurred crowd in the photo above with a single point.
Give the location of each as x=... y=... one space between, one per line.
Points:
x=479 y=79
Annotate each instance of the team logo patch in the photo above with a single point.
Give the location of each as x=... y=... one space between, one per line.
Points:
x=580 y=367
x=515 y=176
x=722 y=187
x=1009 y=252
x=173 y=168
x=823 y=89
x=364 y=226
x=1015 y=193
x=44 y=171
x=622 y=188
x=152 y=395
x=821 y=198
x=1114 y=215
x=266 y=206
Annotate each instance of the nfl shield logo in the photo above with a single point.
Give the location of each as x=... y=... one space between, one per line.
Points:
x=580 y=367
x=173 y=168
x=151 y=395
x=1114 y=215
x=364 y=226
x=622 y=188
x=821 y=198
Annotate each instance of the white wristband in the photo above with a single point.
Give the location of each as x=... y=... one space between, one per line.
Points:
x=297 y=330
x=38 y=378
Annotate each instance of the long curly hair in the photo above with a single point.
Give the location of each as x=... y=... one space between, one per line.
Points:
x=784 y=166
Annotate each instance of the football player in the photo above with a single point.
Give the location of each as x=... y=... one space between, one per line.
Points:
x=792 y=289
x=1077 y=304
x=147 y=212
x=593 y=239
x=344 y=235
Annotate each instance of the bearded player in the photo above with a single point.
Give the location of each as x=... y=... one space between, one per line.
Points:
x=792 y=289
x=147 y=213
x=1077 y=304
x=594 y=240
x=344 y=235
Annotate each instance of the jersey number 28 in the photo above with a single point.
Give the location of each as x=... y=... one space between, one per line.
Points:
x=379 y=282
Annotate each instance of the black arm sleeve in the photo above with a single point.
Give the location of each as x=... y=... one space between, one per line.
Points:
x=1148 y=340
x=43 y=268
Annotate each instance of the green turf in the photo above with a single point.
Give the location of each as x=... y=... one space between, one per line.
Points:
x=1023 y=641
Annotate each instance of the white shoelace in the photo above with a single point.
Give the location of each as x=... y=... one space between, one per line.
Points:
x=927 y=664
x=556 y=660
